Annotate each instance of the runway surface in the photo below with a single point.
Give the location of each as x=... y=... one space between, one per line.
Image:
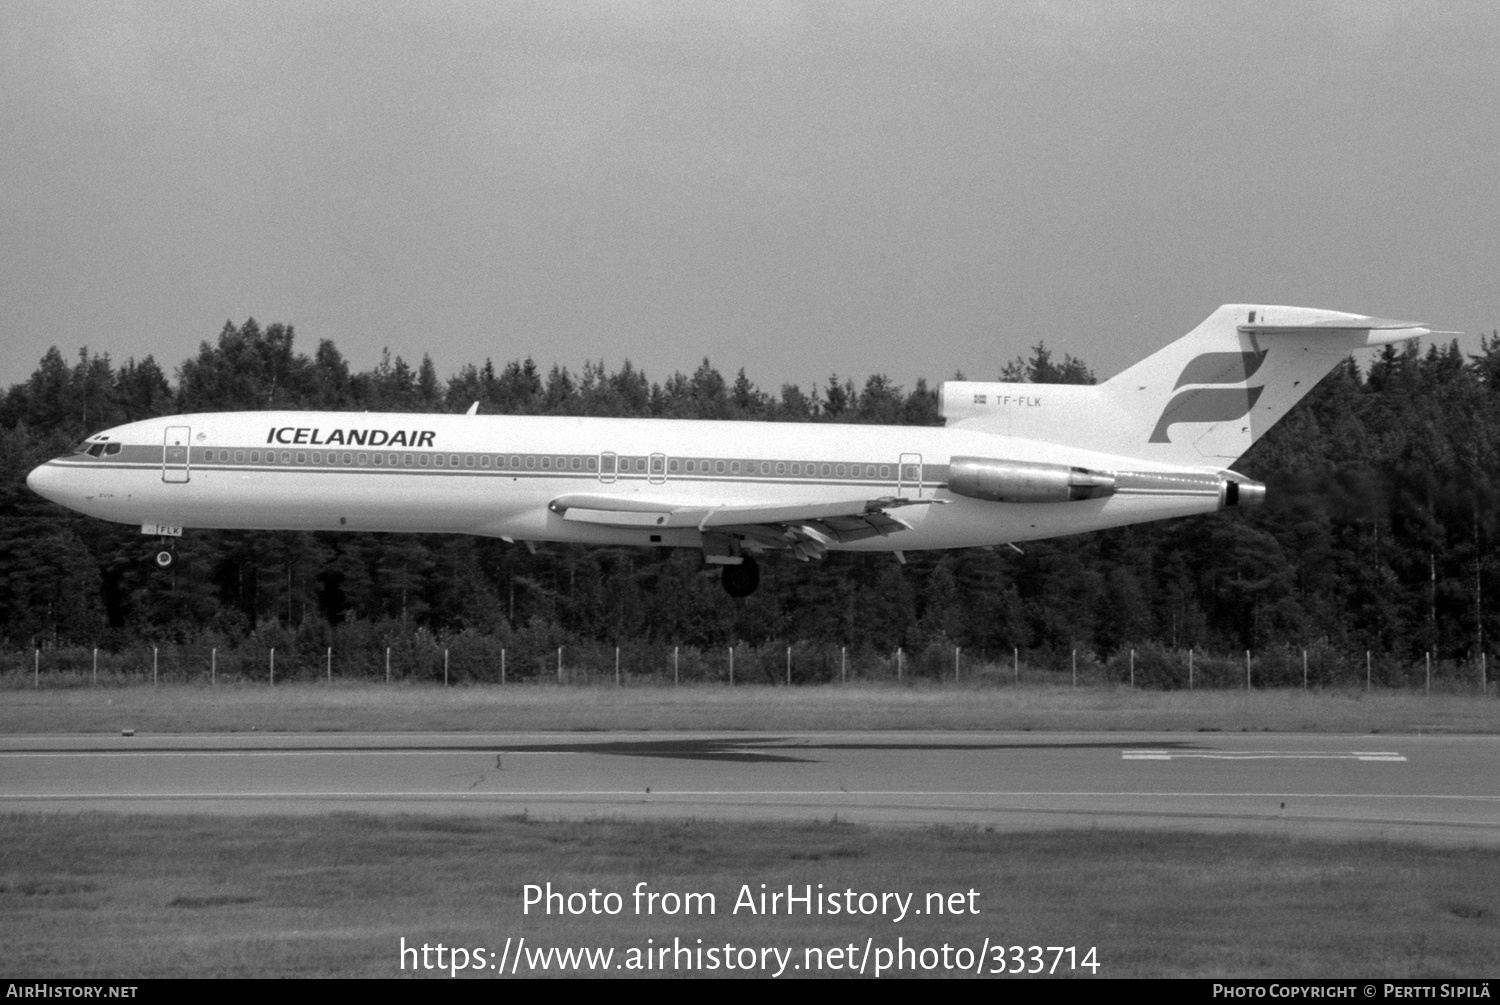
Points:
x=1442 y=789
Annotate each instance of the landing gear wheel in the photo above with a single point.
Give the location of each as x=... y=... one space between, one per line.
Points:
x=741 y=580
x=166 y=557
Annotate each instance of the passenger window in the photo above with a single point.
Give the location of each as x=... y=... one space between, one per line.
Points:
x=239 y=456
x=718 y=467
x=531 y=463
x=301 y=457
x=484 y=460
x=765 y=467
x=255 y=457
x=734 y=467
x=438 y=460
x=546 y=464
x=380 y=458
x=468 y=460
x=827 y=470
x=576 y=463
x=348 y=458
x=407 y=460
x=422 y=460
x=885 y=471
x=593 y=463
x=780 y=468
x=838 y=470
x=286 y=457
x=364 y=459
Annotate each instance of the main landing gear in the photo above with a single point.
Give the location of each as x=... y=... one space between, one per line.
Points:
x=741 y=580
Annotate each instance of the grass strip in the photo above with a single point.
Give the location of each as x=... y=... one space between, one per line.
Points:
x=101 y=895
x=312 y=707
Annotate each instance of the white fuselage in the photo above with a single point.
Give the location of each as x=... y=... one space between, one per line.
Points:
x=497 y=475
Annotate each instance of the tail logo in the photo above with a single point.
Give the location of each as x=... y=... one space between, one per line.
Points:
x=1221 y=368
x=1212 y=404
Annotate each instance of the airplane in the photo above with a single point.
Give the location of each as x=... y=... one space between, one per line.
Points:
x=1013 y=462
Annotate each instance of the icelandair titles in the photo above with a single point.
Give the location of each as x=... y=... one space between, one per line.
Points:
x=351 y=437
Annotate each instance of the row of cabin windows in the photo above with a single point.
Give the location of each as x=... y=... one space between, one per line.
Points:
x=533 y=462
x=797 y=469
x=423 y=460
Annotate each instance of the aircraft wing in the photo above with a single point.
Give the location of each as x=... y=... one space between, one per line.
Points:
x=805 y=527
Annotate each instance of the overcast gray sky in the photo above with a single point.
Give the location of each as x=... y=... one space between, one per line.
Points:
x=795 y=188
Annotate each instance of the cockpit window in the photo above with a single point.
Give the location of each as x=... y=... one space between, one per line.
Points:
x=110 y=449
x=82 y=448
x=96 y=450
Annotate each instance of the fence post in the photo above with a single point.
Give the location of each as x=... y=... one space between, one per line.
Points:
x=330 y=664
x=1304 y=669
x=1247 y=671
x=213 y=666
x=445 y=668
x=153 y=666
x=674 y=665
x=387 y=664
x=559 y=664
x=731 y=666
x=1075 y=668
x=502 y=665
x=1484 y=680
x=788 y=666
x=956 y=651
x=617 y=666
x=843 y=664
x=1132 y=668
x=96 y=666
x=1015 y=660
x=36 y=668
x=273 y=665
x=898 y=663
x=1367 y=671
x=1427 y=688
x=1190 y=668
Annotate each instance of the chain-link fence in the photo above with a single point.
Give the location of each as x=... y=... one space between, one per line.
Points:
x=471 y=658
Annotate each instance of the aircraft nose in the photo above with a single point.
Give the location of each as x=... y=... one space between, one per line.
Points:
x=46 y=481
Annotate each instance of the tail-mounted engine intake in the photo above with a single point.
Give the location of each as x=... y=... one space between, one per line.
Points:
x=995 y=480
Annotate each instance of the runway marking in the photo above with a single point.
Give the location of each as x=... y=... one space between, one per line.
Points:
x=1260 y=755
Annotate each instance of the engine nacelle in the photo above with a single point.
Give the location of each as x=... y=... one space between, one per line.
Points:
x=995 y=480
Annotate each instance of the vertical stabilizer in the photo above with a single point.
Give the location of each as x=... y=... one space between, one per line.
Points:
x=1204 y=399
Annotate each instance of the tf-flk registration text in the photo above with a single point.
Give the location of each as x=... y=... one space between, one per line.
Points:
x=519 y=958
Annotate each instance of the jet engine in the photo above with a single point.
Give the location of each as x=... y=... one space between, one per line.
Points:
x=995 y=480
